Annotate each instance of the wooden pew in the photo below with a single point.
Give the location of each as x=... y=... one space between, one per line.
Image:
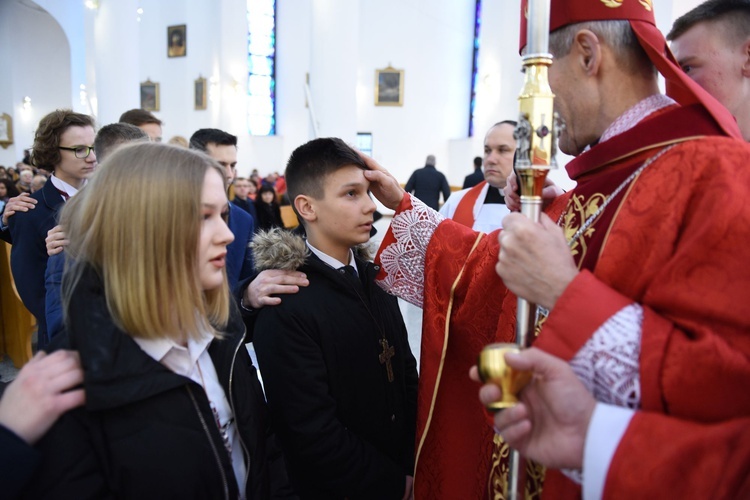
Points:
x=18 y=324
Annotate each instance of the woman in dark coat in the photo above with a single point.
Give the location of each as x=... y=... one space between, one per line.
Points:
x=173 y=408
x=267 y=208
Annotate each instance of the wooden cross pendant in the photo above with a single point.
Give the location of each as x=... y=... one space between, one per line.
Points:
x=385 y=357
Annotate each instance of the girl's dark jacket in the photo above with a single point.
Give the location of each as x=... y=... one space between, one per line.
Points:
x=346 y=431
x=146 y=432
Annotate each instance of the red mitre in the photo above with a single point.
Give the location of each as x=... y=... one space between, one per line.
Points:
x=640 y=14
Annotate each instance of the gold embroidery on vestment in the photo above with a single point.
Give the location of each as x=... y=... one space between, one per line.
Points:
x=577 y=211
x=498 y=480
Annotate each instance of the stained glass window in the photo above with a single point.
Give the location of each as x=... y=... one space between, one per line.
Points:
x=475 y=66
x=261 y=63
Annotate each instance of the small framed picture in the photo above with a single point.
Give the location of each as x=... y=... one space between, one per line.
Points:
x=150 y=96
x=200 y=93
x=177 y=41
x=389 y=87
x=6 y=130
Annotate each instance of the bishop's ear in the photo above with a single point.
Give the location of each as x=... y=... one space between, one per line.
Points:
x=305 y=207
x=746 y=58
x=588 y=49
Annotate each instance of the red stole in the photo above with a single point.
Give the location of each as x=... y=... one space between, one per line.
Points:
x=465 y=210
x=656 y=132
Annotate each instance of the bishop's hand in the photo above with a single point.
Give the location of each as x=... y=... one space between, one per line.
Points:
x=383 y=185
x=534 y=261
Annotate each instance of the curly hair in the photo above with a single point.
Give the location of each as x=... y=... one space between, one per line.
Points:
x=45 y=152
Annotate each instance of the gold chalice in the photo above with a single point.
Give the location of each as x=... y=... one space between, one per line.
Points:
x=493 y=369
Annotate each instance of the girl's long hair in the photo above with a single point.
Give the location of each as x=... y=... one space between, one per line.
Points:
x=137 y=223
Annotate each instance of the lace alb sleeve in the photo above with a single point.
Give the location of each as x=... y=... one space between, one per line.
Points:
x=403 y=261
x=608 y=363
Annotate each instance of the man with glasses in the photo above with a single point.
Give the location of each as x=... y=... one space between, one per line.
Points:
x=63 y=144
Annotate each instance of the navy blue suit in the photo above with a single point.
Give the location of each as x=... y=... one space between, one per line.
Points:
x=474 y=178
x=239 y=256
x=427 y=183
x=248 y=206
x=28 y=256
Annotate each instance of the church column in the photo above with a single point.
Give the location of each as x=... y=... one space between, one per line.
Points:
x=116 y=60
x=334 y=52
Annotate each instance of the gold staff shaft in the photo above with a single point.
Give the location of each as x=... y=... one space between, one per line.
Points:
x=534 y=158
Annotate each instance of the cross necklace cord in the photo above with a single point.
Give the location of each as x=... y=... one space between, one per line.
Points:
x=388 y=350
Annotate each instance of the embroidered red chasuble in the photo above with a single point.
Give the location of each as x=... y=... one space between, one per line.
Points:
x=675 y=240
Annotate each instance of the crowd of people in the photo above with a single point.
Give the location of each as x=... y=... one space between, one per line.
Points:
x=150 y=266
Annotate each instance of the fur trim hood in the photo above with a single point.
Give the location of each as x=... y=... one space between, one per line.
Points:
x=287 y=250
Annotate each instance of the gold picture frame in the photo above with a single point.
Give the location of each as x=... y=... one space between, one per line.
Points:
x=200 y=91
x=150 y=96
x=177 y=41
x=389 y=87
x=6 y=130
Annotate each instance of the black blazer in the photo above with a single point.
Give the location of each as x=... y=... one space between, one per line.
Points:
x=346 y=431
x=28 y=256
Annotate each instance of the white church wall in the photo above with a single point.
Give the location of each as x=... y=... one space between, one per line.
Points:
x=34 y=62
x=431 y=40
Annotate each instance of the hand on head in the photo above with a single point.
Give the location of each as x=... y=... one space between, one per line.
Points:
x=56 y=240
x=383 y=185
x=550 y=422
x=41 y=393
x=21 y=203
x=272 y=282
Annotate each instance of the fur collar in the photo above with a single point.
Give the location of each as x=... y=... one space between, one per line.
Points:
x=287 y=250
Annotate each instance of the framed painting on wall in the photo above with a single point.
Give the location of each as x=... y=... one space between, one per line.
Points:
x=177 y=41
x=200 y=93
x=389 y=87
x=6 y=130
x=150 y=96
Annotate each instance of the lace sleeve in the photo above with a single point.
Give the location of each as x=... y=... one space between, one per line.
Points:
x=403 y=260
x=608 y=363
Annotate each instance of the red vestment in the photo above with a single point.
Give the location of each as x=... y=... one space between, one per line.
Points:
x=675 y=241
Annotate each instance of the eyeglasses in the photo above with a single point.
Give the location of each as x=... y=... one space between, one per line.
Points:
x=80 y=151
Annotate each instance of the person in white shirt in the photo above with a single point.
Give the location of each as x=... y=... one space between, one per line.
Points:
x=482 y=207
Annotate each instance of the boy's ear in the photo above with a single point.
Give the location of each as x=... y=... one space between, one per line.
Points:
x=304 y=206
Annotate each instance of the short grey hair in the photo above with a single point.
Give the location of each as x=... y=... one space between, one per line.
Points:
x=618 y=35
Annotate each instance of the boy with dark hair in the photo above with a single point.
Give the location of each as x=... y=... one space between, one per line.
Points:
x=145 y=121
x=339 y=375
x=115 y=134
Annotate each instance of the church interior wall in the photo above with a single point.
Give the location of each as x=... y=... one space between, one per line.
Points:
x=34 y=62
x=111 y=52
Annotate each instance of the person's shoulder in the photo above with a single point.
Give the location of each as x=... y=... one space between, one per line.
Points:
x=239 y=220
x=714 y=152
